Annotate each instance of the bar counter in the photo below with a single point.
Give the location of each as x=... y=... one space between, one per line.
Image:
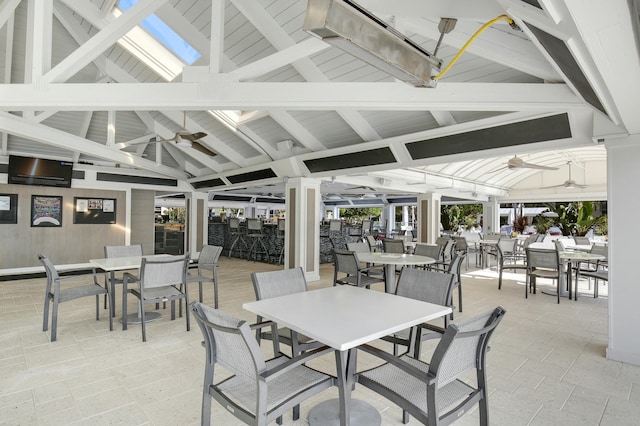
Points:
x=219 y=235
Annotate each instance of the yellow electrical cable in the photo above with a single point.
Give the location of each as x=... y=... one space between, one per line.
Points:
x=473 y=37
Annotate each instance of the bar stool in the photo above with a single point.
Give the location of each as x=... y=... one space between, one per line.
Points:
x=235 y=235
x=254 y=233
x=280 y=236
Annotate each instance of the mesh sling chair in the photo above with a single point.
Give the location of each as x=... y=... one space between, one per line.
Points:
x=207 y=261
x=508 y=256
x=433 y=251
x=436 y=393
x=259 y=390
x=542 y=263
x=55 y=294
x=119 y=251
x=363 y=247
x=162 y=279
x=454 y=268
x=427 y=286
x=346 y=262
x=280 y=283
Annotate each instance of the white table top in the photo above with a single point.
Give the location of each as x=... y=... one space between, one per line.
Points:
x=580 y=255
x=395 y=259
x=123 y=263
x=345 y=317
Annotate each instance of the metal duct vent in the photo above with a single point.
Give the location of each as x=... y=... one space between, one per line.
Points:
x=353 y=29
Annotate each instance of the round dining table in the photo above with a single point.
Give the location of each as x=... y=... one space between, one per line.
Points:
x=390 y=261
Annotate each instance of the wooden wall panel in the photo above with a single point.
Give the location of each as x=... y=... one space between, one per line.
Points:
x=143 y=220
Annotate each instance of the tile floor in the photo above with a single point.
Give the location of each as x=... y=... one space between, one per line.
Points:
x=546 y=364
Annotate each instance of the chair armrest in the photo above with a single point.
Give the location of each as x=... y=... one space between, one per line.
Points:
x=93 y=275
x=260 y=325
x=129 y=277
x=431 y=327
x=396 y=361
x=295 y=362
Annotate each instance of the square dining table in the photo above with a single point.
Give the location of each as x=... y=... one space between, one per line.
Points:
x=344 y=317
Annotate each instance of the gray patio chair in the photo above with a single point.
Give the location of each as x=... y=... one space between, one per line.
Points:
x=438 y=392
x=433 y=251
x=508 y=257
x=119 y=251
x=461 y=246
x=393 y=245
x=280 y=283
x=373 y=244
x=427 y=286
x=597 y=270
x=346 y=262
x=363 y=247
x=55 y=294
x=207 y=261
x=542 y=263
x=582 y=241
x=161 y=280
x=258 y=391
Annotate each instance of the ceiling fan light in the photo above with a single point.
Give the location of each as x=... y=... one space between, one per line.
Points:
x=180 y=141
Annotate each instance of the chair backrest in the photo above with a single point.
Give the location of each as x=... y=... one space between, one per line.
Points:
x=366 y=227
x=393 y=245
x=359 y=247
x=123 y=251
x=49 y=268
x=335 y=225
x=163 y=271
x=229 y=342
x=463 y=347
x=433 y=251
x=461 y=243
x=492 y=236
x=456 y=265
x=282 y=225
x=278 y=283
x=345 y=261
x=543 y=258
x=507 y=246
x=234 y=224
x=254 y=225
x=540 y=238
x=424 y=285
x=582 y=241
x=449 y=249
x=209 y=255
x=600 y=249
x=442 y=241
x=372 y=242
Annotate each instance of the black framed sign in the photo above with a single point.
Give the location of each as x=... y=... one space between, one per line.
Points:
x=8 y=208
x=94 y=210
x=46 y=210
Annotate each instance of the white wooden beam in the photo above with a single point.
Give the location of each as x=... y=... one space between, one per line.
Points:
x=101 y=41
x=50 y=136
x=444 y=118
x=6 y=10
x=111 y=128
x=277 y=36
x=216 y=50
x=291 y=96
x=8 y=63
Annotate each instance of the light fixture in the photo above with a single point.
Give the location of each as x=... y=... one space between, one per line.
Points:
x=357 y=31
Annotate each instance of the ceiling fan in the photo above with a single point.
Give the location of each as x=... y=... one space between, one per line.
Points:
x=187 y=139
x=569 y=183
x=518 y=163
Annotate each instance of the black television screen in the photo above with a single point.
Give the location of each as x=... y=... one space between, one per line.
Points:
x=39 y=171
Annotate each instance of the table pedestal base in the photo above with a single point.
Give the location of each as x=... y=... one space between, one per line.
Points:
x=148 y=316
x=327 y=413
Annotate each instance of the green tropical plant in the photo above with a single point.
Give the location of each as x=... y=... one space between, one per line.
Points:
x=450 y=217
x=574 y=218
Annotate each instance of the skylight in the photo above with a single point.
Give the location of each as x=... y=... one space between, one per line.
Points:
x=156 y=44
x=165 y=35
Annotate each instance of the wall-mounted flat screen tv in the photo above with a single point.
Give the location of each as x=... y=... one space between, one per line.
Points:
x=39 y=171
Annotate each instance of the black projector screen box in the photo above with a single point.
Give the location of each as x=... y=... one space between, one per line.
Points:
x=39 y=171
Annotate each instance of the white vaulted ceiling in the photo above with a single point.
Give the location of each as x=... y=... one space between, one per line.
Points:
x=72 y=89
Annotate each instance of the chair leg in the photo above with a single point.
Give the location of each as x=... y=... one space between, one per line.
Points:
x=186 y=313
x=143 y=321
x=54 y=318
x=97 y=307
x=296 y=412
x=460 y=297
x=45 y=315
x=215 y=288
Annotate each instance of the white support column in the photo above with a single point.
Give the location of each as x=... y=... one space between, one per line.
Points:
x=405 y=216
x=391 y=218
x=623 y=175
x=490 y=216
x=428 y=217
x=302 y=234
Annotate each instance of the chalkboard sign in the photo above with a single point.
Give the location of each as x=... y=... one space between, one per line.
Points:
x=94 y=210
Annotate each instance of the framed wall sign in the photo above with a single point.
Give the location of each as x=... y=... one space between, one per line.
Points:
x=46 y=210
x=8 y=208
x=94 y=210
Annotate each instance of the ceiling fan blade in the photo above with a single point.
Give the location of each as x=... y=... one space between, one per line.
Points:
x=203 y=149
x=537 y=166
x=498 y=169
x=193 y=136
